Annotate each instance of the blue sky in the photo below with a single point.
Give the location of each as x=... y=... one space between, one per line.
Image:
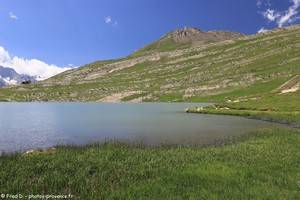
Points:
x=63 y=32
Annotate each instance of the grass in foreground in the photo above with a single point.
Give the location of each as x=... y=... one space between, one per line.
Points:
x=265 y=166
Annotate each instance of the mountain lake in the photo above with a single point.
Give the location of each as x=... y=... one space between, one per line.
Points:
x=26 y=126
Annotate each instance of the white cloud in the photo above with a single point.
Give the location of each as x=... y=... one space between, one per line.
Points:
x=115 y=23
x=282 y=18
x=289 y=15
x=107 y=19
x=32 y=67
x=259 y=3
x=12 y=16
x=271 y=15
x=263 y=3
x=4 y=56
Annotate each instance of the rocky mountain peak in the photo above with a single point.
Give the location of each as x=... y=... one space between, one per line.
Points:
x=186 y=34
x=195 y=35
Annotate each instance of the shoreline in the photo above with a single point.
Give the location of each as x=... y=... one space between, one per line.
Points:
x=118 y=171
x=207 y=110
x=229 y=140
x=218 y=143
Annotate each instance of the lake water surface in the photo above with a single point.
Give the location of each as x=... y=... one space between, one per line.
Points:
x=26 y=126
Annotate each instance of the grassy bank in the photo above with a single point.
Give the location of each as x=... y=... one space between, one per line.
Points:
x=289 y=118
x=265 y=166
x=283 y=108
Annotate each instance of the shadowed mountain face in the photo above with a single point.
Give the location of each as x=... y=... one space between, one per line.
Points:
x=2 y=83
x=184 y=65
x=9 y=76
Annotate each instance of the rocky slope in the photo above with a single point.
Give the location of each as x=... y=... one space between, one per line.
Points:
x=181 y=66
x=188 y=37
x=194 y=35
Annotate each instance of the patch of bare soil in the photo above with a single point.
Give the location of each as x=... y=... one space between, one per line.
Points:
x=117 y=97
x=292 y=85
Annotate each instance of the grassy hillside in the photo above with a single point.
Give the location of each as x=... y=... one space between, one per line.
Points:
x=259 y=72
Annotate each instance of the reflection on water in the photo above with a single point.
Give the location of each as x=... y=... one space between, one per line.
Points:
x=40 y=125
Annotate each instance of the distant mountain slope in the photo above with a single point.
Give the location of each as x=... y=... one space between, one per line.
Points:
x=247 y=67
x=9 y=76
x=2 y=83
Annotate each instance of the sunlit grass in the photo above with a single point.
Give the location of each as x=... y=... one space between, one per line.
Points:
x=264 y=166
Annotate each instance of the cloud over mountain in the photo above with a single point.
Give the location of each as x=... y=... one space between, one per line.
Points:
x=31 y=67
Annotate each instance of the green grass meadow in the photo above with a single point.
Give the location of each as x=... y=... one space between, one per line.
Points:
x=263 y=165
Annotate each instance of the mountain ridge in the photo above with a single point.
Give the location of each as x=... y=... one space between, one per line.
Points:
x=191 y=34
x=187 y=37
x=194 y=73
x=8 y=76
